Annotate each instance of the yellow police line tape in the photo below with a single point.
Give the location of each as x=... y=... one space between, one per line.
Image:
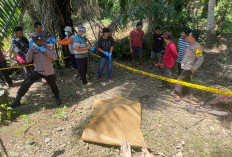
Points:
x=209 y=89
x=27 y=65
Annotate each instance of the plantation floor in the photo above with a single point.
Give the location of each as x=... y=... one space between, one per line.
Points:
x=43 y=130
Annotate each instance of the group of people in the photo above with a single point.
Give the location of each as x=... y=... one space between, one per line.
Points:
x=40 y=53
x=189 y=55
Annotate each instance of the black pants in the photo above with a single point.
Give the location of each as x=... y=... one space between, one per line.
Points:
x=184 y=76
x=179 y=69
x=82 y=67
x=27 y=71
x=51 y=80
x=167 y=72
x=5 y=74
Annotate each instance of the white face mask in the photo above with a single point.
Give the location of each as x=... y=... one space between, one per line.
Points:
x=83 y=35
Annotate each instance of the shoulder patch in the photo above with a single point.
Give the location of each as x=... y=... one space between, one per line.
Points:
x=199 y=52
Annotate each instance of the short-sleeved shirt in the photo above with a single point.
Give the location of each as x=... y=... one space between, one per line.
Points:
x=182 y=44
x=137 y=38
x=158 y=43
x=81 y=42
x=105 y=45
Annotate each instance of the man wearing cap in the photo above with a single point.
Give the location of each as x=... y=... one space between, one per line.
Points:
x=68 y=40
x=158 y=47
x=170 y=55
x=42 y=54
x=136 y=42
x=21 y=46
x=192 y=60
x=182 y=44
x=81 y=53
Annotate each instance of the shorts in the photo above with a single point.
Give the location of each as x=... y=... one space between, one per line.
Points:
x=137 y=52
x=156 y=55
x=73 y=60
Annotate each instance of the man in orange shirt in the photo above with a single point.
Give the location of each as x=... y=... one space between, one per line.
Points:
x=68 y=40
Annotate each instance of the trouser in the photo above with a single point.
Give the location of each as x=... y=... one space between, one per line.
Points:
x=167 y=72
x=180 y=89
x=82 y=67
x=179 y=69
x=5 y=74
x=27 y=71
x=51 y=80
x=102 y=63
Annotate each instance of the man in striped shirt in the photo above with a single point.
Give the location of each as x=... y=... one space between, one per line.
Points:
x=182 y=44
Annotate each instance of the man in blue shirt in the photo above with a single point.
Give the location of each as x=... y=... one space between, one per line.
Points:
x=182 y=44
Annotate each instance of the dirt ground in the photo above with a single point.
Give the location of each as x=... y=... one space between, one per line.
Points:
x=43 y=130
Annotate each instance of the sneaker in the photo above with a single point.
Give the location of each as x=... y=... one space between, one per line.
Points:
x=110 y=81
x=58 y=101
x=177 y=99
x=88 y=84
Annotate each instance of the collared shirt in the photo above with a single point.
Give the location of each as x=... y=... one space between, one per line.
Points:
x=42 y=60
x=193 y=57
x=182 y=44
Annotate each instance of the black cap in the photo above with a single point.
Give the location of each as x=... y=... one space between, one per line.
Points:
x=106 y=30
x=37 y=37
x=139 y=23
x=157 y=28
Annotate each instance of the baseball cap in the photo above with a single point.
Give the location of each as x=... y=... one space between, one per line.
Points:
x=68 y=29
x=82 y=29
x=37 y=37
x=139 y=23
x=167 y=35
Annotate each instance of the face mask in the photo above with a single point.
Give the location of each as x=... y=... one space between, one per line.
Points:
x=83 y=35
x=66 y=33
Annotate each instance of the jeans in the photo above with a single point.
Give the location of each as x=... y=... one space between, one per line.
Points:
x=51 y=80
x=102 y=63
x=82 y=67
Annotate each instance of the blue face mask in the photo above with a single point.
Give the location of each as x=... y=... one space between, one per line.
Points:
x=66 y=33
x=83 y=35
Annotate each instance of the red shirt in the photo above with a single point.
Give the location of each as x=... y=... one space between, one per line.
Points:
x=170 y=55
x=136 y=38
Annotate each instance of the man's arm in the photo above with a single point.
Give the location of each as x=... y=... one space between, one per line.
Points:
x=65 y=41
x=78 y=49
x=29 y=56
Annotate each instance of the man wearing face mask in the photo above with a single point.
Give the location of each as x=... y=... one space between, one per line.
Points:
x=81 y=54
x=68 y=40
x=42 y=54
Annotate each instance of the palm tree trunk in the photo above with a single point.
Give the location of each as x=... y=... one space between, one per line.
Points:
x=210 y=18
